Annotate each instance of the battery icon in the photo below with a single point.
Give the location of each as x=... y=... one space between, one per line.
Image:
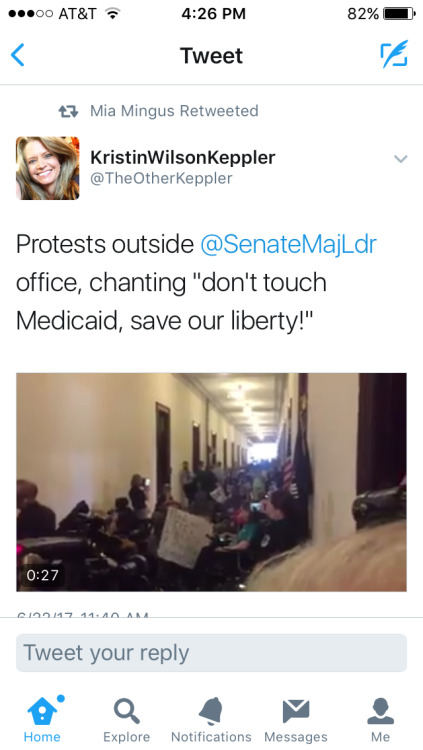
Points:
x=399 y=14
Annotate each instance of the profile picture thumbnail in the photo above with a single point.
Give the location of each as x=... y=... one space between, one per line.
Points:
x=47 y=168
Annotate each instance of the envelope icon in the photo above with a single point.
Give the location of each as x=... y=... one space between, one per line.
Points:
x=296 y=710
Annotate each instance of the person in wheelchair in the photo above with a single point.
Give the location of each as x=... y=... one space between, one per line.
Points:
x=281 y=531
x=76 y=521
x=220 y=560
x=123 y=518
x=278 y=530
x=34 y=520
x=248 y=521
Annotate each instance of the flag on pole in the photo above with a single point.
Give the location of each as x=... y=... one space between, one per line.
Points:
x=287 y=474
x=297 y=477
x=302 y=465
x=288 y=478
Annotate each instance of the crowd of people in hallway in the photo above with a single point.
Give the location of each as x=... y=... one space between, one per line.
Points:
x=257 y=530
x=252 y=517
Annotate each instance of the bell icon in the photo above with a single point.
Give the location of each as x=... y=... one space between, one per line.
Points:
x=211 y=711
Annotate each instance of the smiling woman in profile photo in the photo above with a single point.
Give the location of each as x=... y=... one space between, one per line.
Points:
x=48 y=169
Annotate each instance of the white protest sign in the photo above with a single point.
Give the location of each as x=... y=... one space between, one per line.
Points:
x=183 y=537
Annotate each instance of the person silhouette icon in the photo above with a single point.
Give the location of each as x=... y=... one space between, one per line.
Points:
x=380 y=706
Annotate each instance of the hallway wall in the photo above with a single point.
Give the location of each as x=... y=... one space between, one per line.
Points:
x=291 y=398
x=332 y=437
x=332 y=442
x=82 y=436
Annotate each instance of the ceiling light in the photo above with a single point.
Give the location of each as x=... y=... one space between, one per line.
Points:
x=237 y=394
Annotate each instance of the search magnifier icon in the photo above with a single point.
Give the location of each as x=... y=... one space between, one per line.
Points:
x=126 y=714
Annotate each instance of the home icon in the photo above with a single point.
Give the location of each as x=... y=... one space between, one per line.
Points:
x=42 y=711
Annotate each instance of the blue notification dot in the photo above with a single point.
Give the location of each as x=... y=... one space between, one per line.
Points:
x=60 y=698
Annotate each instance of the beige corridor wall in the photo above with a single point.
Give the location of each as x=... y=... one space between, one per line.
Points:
x=82 y=436
x=332 y=437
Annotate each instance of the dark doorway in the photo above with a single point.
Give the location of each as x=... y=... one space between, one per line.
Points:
x=382 y=431
x=213 y=457
x=163 y=463
x=225 y=453
x=196 y=449
x=232 y=455
x=238 y=456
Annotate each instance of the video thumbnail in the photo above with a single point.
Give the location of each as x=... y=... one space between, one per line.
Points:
x=211 y=482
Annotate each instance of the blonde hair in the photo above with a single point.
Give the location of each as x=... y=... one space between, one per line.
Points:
x=67 y=188
x=373 y=559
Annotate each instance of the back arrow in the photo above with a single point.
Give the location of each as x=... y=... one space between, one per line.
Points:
x=13 y=54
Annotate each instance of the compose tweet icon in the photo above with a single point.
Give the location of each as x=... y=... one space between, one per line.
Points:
x=295 y=710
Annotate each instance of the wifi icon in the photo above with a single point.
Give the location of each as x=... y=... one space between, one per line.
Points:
x=112 y=12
